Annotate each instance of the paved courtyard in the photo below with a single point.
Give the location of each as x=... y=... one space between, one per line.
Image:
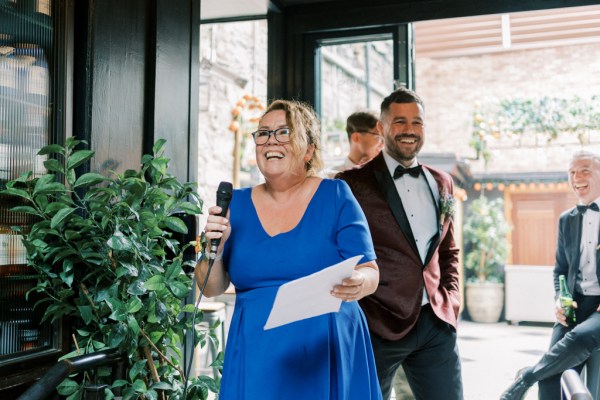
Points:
x=492 y=353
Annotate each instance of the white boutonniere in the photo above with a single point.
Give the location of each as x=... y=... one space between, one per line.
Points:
x=447 y=206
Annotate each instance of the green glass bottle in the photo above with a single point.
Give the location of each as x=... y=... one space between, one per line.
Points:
x=566 y=301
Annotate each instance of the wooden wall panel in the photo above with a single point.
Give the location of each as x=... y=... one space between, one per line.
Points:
x=534 y=218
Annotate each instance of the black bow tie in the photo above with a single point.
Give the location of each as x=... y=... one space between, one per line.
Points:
x=414 y=171
x=582 y=209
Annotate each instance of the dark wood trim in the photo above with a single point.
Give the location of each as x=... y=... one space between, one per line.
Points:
x=300 y=59
x=170 y=67
x=404 y=66
x=231 y=19
x=320 y=16
x=294 y=58
x=194 y=91
x=82 y=70
x=276 y=56
x=150 y=76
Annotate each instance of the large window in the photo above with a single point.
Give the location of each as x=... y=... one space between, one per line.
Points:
x=354 y=75
x=233 y=88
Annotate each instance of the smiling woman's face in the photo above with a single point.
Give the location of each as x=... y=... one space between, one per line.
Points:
x=274 y=158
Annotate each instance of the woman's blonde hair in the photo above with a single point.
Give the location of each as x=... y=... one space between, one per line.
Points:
x=304 y=130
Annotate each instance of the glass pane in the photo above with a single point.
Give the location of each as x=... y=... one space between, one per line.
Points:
x=353 y=77
x=233 y=92
x=26 y=31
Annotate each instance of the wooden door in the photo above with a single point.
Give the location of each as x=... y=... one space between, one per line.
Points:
x=534 y=217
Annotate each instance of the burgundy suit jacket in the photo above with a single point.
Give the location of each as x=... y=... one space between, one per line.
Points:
x=394 y=308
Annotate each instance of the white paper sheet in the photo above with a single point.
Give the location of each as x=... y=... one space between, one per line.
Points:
x=309 y=296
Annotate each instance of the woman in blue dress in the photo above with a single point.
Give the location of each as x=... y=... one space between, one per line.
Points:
x=289 y=227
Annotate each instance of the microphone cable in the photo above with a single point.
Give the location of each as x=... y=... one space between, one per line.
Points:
x=224 y=194
x=188 y=368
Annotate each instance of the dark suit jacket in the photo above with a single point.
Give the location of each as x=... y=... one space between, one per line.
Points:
x=568 y=249
x=394 y=308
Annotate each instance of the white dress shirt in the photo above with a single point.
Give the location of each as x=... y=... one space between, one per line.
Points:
x=587 y=279
x=419 y=206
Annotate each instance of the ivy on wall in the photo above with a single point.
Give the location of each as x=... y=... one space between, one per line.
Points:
x=542 y=120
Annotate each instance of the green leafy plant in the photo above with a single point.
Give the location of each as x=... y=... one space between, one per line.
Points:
x=484 y=235
x=543 y=118
x=106 y=251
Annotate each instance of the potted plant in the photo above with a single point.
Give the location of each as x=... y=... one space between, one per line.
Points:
x=106 y=253
x=486 y=245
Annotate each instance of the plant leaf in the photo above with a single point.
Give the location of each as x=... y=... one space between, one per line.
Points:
x=139 y=386
x=67 y=387
x=134 y=305
x=51 y=148
x=25 y=209
x=136 y=288
x=119 y=309
x=179 y=289
x=17 y=192
x=86 y=313
x=54 y=165
x=156 y=282
x=190 y=308
x=79 y=157
x=117 y=335
x=133 y=324
x=136 y=369
x=59 y=218
x=118 y=241
x=175 y=224
x=49 y=188
x=190 y=208
x=91 y=178
x=159 y=146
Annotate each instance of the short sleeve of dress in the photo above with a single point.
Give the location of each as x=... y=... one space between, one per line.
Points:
x=353 y=235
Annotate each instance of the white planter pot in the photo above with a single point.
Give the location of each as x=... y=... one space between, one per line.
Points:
x=485 y=301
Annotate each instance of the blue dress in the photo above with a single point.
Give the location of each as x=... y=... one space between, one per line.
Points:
x=328 y=357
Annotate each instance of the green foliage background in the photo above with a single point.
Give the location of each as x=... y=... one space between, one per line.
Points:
x=105 y=251
x=545 y=117
x=485 y=240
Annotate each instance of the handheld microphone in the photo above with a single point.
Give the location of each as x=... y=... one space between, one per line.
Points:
x=224 y=193
x=223 y=199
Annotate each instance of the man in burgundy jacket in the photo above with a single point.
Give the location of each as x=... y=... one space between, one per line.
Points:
x=412 y=315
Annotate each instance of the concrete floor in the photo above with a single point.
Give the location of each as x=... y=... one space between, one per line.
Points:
x=491 y=354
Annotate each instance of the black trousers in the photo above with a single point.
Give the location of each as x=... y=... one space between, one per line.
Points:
x=569 y=348
x=429 y=355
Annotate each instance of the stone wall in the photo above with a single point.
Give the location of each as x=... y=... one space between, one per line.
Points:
x=230 y=53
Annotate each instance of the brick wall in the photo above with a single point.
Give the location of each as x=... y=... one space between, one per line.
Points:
x=450 y=88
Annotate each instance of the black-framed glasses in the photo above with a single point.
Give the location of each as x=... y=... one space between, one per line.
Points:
x=261 y=136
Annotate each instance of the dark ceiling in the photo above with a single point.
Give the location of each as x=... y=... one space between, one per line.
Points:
x=375 y=11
